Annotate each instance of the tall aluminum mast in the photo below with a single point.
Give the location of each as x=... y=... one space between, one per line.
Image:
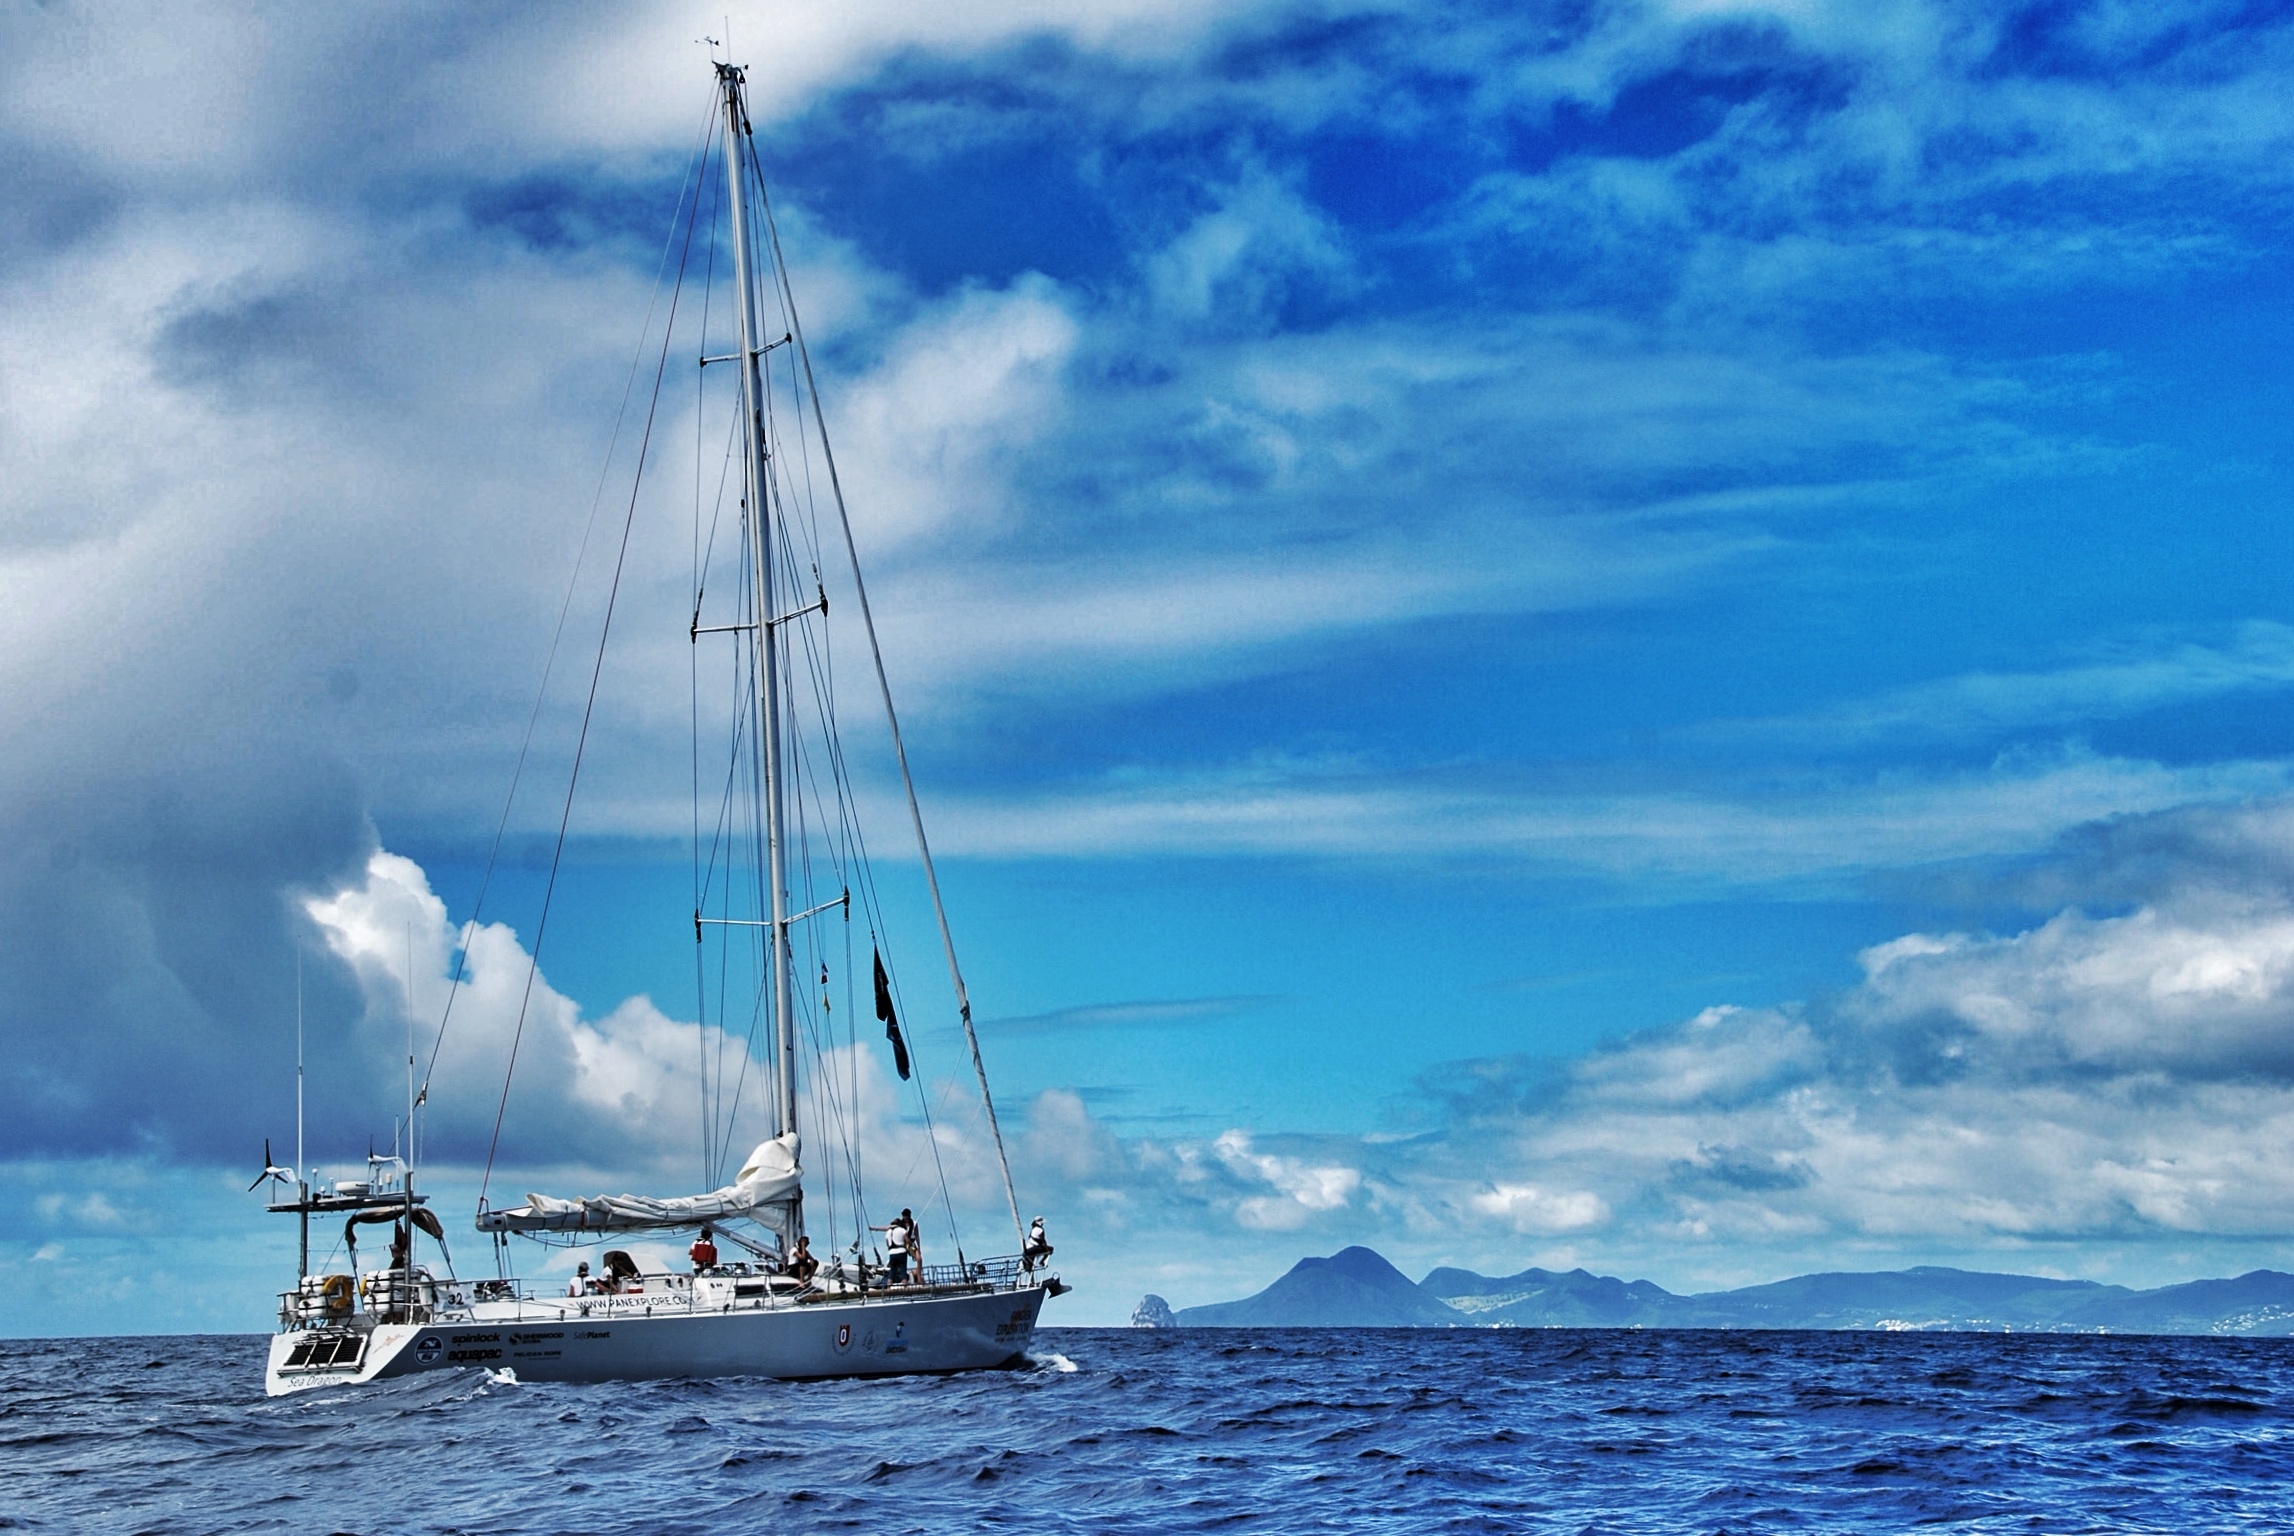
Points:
x=756 y=486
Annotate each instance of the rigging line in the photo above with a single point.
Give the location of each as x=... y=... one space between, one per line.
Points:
x=821 y=1083
x=693 y=667
x=892 y=718
x=829 y=1103
x=693 y=699
x=804 y=458
x=816 y=642
x=706 y=877
x=754 y=808
x=780 y=943
x=744 y=674
x=924 y=1102
x=852 y=1069
x=724 y=1012
x=721 y=836
x=766 y=946
x=796 y=495
x=589 y=709
x=597 y=503
x=717 y=512
x=720 y=839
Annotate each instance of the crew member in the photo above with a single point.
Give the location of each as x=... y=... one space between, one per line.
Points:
x=704 y=1252
x=579 y=1285
x=1038 y=1246
x=802 y=1265
x=899 y=1243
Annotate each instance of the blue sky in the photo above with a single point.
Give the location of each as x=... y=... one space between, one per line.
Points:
x=1639 y=635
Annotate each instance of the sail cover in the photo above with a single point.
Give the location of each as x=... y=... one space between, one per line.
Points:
x=768 y=1186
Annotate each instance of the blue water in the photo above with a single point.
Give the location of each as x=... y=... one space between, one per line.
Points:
x=1193 y=1431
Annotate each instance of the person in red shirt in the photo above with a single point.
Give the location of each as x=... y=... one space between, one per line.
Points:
x=704 y=1251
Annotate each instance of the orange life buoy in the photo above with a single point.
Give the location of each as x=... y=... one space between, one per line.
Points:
x=336 y=1289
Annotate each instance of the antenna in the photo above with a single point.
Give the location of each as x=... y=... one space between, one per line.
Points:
x=409 y=1055
x=302 y=1188
x=298 y=1061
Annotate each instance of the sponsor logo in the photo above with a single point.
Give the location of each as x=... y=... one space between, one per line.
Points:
x=844 y=1335
x=428 y=1348
x=477 y=1338
x=535 y=1338
x=471 y=1356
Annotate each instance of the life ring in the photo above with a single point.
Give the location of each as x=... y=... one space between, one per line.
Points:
x=336 y=1291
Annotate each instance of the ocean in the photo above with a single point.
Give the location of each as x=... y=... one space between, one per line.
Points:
x=1194 y=1430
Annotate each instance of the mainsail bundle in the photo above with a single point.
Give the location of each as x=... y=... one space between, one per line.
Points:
x=766 y=1192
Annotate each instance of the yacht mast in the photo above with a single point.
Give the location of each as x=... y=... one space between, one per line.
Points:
x=756 y=485
x=302 y=1170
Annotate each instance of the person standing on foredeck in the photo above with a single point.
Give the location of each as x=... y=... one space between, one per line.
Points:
x=899 y=1244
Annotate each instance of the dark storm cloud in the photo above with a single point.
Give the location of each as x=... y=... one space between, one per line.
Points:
x=149 y=958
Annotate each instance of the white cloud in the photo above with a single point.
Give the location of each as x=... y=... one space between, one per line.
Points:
x=1302 y=1189
x=2093 y=1078
x=624 y=1089
x=2098 y=1093
x=225 y=89
x=618 y=1099
x=1528 y=1209
x=1836 y=826
x=2126 y=680
x=929 y=432
x=1236 y=261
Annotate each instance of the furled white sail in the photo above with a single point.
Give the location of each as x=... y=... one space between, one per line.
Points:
x=765 y=1191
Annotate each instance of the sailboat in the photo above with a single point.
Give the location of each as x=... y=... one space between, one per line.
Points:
x=772 y=1309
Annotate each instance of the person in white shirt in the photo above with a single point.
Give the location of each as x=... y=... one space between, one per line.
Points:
x=899 y=1243
x=579 y=1285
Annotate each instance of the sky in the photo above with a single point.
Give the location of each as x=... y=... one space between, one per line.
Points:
x=1649 y=636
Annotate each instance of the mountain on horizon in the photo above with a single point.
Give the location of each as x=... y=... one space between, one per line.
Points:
x=1540 y=1298
x=1353 y=1288
x=1358 y=1288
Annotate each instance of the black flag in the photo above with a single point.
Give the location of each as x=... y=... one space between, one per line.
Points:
x=891 y=1022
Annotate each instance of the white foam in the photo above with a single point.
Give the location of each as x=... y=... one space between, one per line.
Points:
x=505 y=1377
x=1054 y=1361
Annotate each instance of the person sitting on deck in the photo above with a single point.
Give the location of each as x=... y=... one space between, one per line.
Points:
x=704 y=1252
x=581 y=1284
x=802 y=1265
x=621 y=1276
x=1038 y=1246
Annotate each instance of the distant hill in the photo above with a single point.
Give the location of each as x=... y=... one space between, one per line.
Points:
x=1539 y=1298
x=2260 y=1302
x=1358 y=1288
x=1926 y=1297
x=1354 y=1288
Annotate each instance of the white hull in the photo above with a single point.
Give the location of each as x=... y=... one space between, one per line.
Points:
x=624 y=1339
